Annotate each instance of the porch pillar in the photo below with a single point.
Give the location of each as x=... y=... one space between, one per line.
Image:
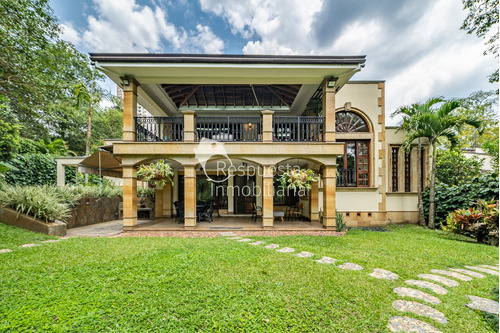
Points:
x=129 y=109
x=189 y=196
x=329 y=188
x=267 y=125
x=167 y=200
x=314 y=202
x=189 y=126
x=159 y=202
x=267 y=196
x=329 y=112
x=230 y=193
x=129 y=198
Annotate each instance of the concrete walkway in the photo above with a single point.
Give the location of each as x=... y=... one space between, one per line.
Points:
x=104 y=229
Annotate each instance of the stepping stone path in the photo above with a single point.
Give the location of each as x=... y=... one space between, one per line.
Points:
x=470 y=273
x=410 y=292
x=257 y=243
x=29 y=245
x=489 y=266
x=383 y=274
x=286 y=250
x=350 y=266
x=427 y=285
x=5 y=250
x=305 y=254
x=407 y=324
x=234 y=237
x=51 y=241
x=227 y=233
x=326 y=260
x=245 y=240
x=454 y=275
x=483 y=304
x=447 y=282
x=272 y=246
x=481 y=269
x=420 y=309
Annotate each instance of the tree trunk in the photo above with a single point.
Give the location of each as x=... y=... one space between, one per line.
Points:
x=421 y=219
x=432 y=190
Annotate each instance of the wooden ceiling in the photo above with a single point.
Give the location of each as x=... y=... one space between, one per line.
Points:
x=223 y=96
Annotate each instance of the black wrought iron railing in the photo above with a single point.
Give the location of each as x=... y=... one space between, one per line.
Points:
x=298 y=129
x=239 y=129
x=159 y=129
x=346 y=178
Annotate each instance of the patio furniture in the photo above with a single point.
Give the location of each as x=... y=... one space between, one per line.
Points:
x=179 y=211
x=297 y=212
x=148 y=210
x=208 y=214
x=257 y=211
x=279 y=214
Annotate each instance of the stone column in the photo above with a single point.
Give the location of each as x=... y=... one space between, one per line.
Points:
x=329 y=187
x=167 y=200
x=159 y=202
x=230 y=193
x=189 y=126
x=61 y=173
x=189 y=196
x=258 y=181
x=314 y=202
x=129 y=198
x=129 y=110
x=267 y=196
x=267 y=125
x=329 y=112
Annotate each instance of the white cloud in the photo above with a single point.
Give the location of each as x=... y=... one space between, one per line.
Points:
x=125 y=26
x=69 y=33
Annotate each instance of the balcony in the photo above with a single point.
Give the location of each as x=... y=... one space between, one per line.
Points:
x=230 y=128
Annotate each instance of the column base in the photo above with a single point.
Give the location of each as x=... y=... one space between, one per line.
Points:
x=267 y=222
x=330 y=227
x=329 y=223
x=130 y=222
x=189 y=222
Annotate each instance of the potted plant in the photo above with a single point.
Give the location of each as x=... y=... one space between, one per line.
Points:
x=156 y=174
x=298 y=179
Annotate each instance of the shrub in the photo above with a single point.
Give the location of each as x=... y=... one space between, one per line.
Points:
x=453 y=168
x=341 y=226
x=145 y=192
x=157 y=174
x=32 y=169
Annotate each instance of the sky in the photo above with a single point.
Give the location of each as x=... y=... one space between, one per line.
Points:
x=417 y=47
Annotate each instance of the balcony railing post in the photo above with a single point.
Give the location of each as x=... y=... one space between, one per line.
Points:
x=267 y=125
x=189 y=125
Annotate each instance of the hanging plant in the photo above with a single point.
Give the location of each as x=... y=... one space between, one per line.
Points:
x=298 y=179
x=157 y=174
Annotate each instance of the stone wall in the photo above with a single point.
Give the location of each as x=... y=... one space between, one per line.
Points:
x=93 y=210
x=12 y=217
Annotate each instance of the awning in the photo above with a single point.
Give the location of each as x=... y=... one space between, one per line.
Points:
x=102 y=163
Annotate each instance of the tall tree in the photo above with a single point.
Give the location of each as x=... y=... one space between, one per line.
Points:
x=410 y=125
x=482 y=20
x=435 y=124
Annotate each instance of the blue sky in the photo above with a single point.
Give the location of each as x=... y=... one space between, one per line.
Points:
x=416 y=46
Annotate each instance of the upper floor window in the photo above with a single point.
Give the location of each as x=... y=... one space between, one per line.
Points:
x=346 y=121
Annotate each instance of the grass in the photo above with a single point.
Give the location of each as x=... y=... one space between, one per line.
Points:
x=11 y=237
x=203 y=284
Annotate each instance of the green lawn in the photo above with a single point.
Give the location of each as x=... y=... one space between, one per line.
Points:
x=214 y=284
x=11 y=237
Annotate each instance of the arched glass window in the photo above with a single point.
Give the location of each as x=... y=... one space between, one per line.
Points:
x=349 y=122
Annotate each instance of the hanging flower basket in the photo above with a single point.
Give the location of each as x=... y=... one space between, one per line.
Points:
x=156 y=174
x=298 y=179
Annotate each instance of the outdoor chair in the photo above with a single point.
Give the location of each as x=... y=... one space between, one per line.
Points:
x=179 y=212
x=257 y=212
x=207 y=215
x=297 y=212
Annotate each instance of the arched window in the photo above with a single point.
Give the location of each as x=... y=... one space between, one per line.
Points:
x=346 y=121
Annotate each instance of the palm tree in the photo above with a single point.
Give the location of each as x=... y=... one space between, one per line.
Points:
x=435 y=124
x=410 y=125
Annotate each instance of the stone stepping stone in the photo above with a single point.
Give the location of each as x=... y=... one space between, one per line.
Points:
x=234 y=237
x=272 y=246
x=227 y=233
x=466 y=271
x=305 y=254
x=454 y=275
x=483 y=304
x=428 y=285
x=447 y=282
x=407 y=324
x=5 y=250
x=326 y=260
x=410 y=292
x=481 y=269
x=256 y=243
x=244 y=240
x=420 y=309
x=379 y=273
x=51 y=241
x=29 y=245
x=286 y=250
x=489 y=266
x=350 y=266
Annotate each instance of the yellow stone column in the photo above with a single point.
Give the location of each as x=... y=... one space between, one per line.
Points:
x=167 y=200
x=159 y=202
x=314 y=202
x=329 y=188
x=189 y=126
x=329 y=112
x=129 y=198
x=129 y=109
x=267 y=196
x=189 y=196
x=267 y=125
